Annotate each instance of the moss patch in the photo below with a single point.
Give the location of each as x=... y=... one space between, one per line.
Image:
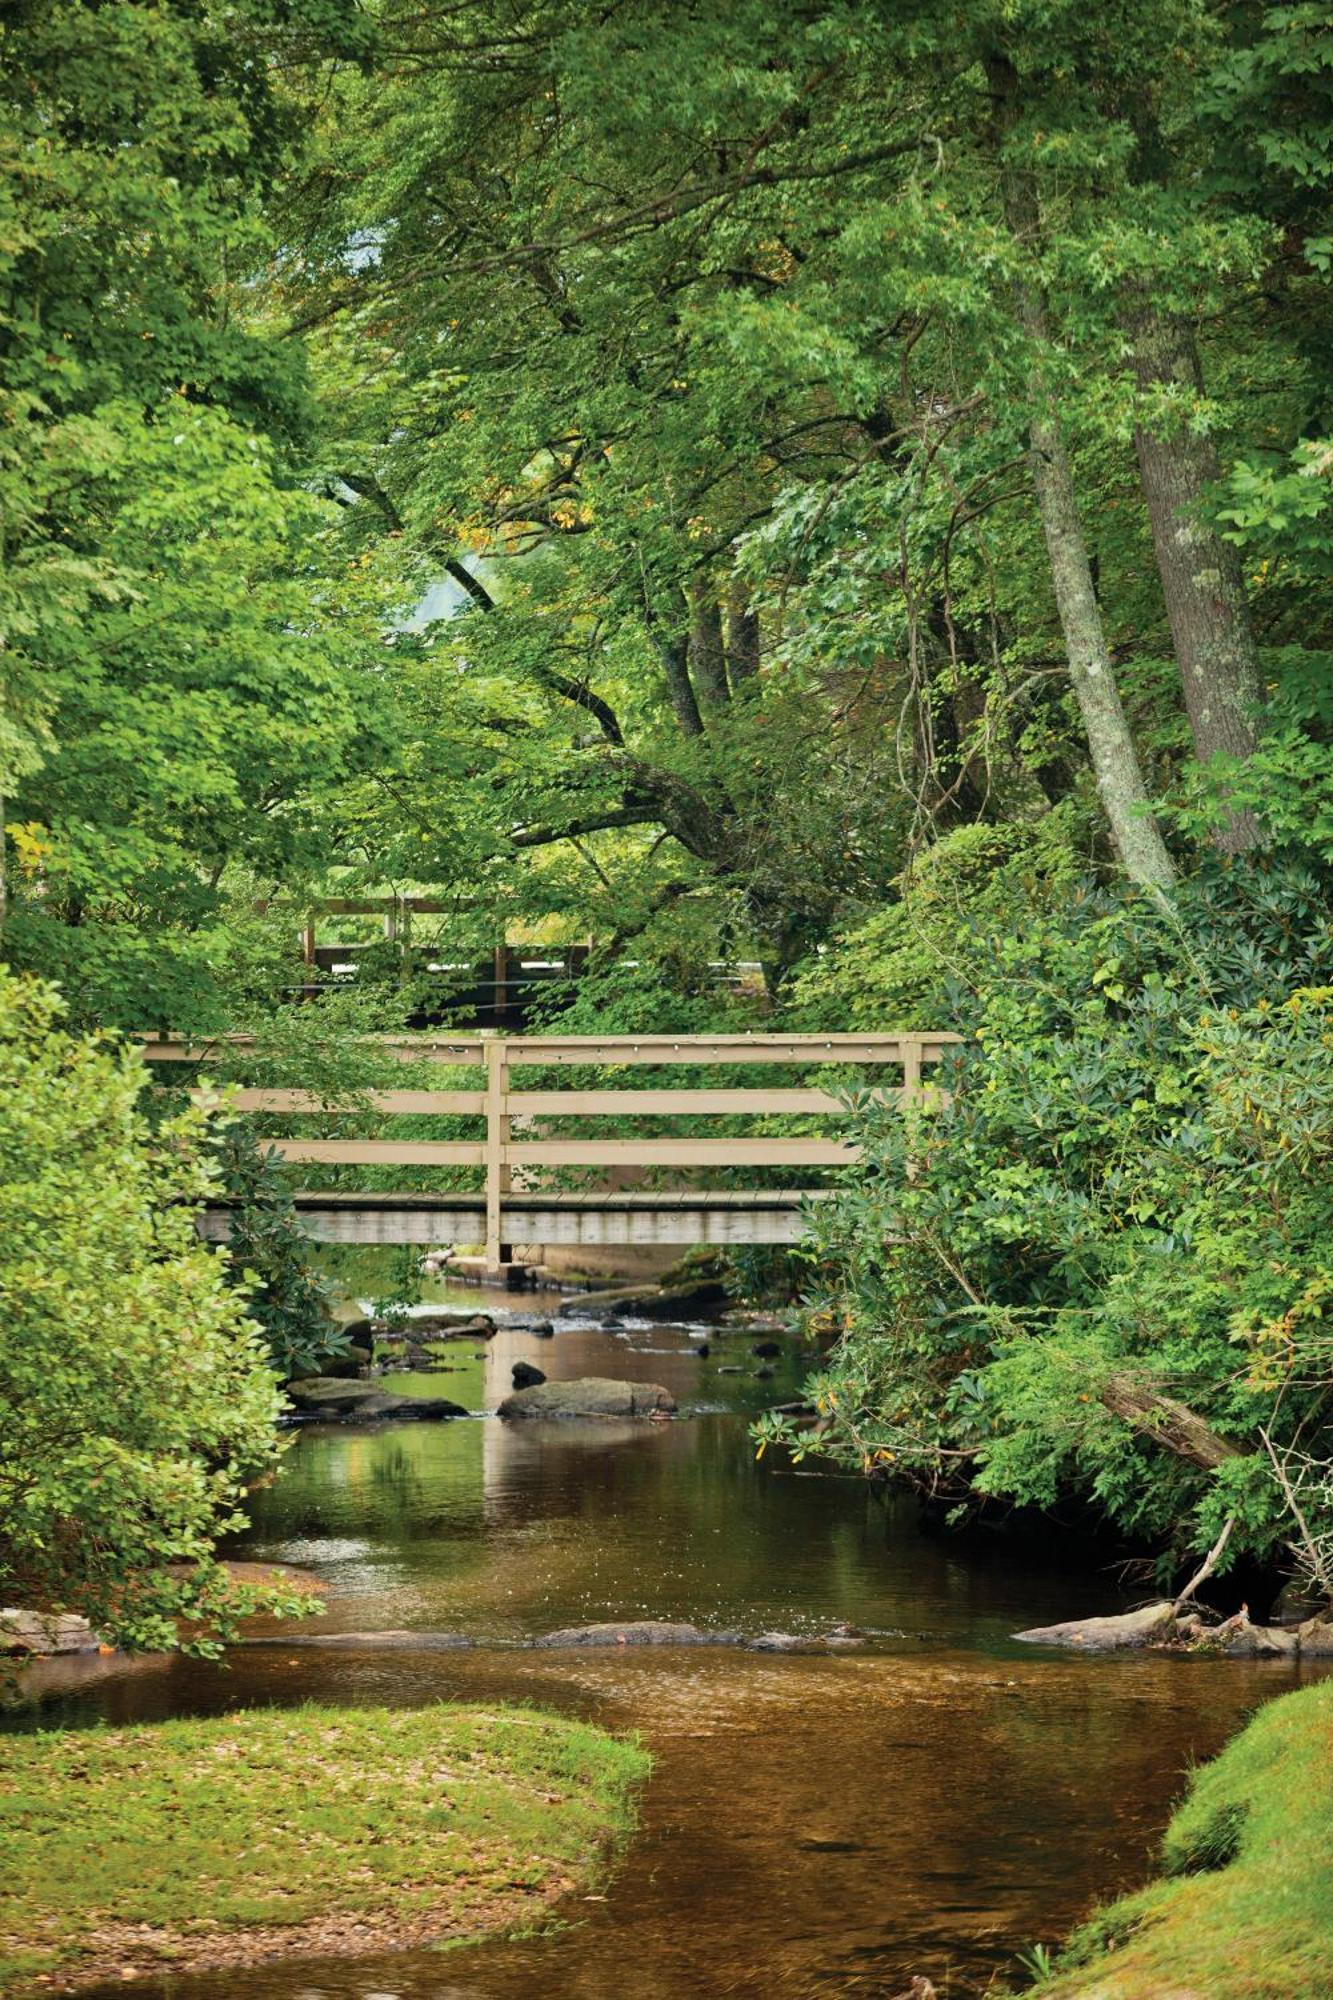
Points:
x=284 y=1831
x=1246 y=1909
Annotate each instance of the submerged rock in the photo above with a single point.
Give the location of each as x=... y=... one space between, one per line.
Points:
x=324 y=1399
x=540 y=1329
x=449 y=1326
x=840 y=1639
x=397 y=1640
x=702 y=1299
x=637 y=1632
x=589 y=1396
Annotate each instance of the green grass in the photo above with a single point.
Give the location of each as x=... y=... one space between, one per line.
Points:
x=1245 y=1909
x=280 y=1831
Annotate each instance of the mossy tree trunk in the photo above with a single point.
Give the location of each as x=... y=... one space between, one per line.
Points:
x=1201 y=573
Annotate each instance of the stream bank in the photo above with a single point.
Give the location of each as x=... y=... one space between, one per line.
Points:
x=1244 y=1909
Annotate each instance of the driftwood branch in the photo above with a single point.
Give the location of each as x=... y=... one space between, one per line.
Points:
x=1209 y=1563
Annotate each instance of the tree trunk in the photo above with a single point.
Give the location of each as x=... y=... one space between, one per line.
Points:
x=1201 y=573
x=742 y=635
x=708 y=663
x=674 y=655
x=1115 y=760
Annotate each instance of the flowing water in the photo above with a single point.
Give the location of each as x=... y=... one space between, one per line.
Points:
x=816 y=1825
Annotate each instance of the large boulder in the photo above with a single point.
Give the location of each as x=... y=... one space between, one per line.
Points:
x=590 y=1396
x=45 y=1632
x=701 y=1298
x=323 y=1399
x=637 y=1632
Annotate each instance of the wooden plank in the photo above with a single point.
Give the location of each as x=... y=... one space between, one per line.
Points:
x=402 y=1103
x=680 y=1153
x=572 y=1152
x=559 y=1052
x=385 y=1152
x=466 y=1053
x=672 y=1103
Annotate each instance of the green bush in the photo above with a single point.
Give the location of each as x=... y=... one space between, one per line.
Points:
x=136 y=1401
x=270 y=1256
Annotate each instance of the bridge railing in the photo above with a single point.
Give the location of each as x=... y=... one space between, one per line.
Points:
x=505 y=1145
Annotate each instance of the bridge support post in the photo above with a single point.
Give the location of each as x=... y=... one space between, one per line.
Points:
x=497 y=1147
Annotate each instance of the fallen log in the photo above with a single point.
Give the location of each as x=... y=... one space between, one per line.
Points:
x=1173 y=1425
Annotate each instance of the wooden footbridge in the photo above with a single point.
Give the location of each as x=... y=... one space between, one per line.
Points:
x=515 y=1149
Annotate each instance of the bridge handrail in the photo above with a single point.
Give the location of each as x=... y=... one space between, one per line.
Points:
x=502 y=1150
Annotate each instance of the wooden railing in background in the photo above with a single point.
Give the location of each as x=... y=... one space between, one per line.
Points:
x=504 y=1147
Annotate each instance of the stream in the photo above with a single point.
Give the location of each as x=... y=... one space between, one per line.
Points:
x=816 y=1824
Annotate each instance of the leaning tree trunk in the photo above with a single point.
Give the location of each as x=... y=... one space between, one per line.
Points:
x=1201 y=573
x=1115 y=759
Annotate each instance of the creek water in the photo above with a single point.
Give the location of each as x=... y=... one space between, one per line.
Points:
x=816 y=1824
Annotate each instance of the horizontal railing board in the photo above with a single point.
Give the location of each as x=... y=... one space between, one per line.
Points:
x=678 y=1152
x=669 y=1103
x=384 y=1152
x=615 y=1050
x=401 y=1103
x=571 y=1152
x=706 y=1050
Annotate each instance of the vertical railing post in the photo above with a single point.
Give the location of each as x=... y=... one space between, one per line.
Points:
x=911 y=1069
x=497 y=1144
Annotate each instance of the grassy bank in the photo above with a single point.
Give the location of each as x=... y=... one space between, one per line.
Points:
x=1245 y=1907
x=311 y=1830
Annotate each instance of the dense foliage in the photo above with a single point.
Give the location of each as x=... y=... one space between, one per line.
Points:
x=1102 y=1264
x=136 y=1402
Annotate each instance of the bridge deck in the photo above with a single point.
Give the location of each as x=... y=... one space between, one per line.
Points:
x=673 y=1216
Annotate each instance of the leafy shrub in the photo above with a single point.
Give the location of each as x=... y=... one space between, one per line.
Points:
x=136 y=1401
x=270 y=1254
